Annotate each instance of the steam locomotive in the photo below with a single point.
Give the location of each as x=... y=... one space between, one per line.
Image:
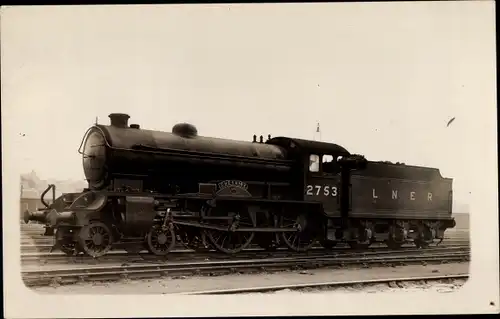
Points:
x=160 y=188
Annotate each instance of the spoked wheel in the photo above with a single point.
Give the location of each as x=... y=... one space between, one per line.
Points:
x=232 y=242
x=95 y=239
x=362 y=239
x=396 y=237
x=229 y=242
x=161 y=240
x=301 y=240
x=425 y=238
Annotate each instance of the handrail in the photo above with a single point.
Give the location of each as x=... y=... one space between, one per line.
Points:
x=53 y=187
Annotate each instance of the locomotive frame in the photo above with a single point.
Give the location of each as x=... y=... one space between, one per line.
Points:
x=228 y=214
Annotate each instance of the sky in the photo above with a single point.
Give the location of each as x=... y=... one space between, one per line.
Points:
x=382 y=79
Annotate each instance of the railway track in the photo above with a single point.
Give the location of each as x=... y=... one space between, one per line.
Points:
x=68 y=275
x=44 y=243
x=184 y=254
x=43 y=249
x=325 y=285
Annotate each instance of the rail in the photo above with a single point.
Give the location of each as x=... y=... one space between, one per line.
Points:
x=332 y=284
x=251 y=253
x=68 y=275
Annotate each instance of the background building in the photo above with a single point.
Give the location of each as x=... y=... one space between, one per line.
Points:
x=30 y=200
x=32 y=188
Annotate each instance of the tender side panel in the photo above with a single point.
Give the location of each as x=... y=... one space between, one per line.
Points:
x=400 y=198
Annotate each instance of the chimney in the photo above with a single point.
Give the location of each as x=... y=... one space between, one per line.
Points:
x=119 y=120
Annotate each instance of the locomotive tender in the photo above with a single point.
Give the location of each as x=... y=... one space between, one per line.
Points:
x=159 y=188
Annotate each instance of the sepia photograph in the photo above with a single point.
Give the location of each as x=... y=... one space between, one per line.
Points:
x=249 y=159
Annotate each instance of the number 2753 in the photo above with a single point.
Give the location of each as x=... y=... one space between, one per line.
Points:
x=326 y=190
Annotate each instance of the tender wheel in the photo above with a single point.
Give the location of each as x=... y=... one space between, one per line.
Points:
x=95 y=239
x=161 y=240
x=397 y=237
x=425 y=237
x=301 y=240
x=362 y=238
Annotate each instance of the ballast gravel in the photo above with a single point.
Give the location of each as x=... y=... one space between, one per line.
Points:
x=168 y=285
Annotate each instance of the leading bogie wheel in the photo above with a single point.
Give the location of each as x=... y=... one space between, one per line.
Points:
x=95 y=239
x=160 y=240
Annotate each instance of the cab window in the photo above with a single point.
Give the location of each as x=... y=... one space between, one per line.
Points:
x=330 y=165
x=314 y=163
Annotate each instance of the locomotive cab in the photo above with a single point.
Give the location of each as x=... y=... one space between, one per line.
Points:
x=323 y=182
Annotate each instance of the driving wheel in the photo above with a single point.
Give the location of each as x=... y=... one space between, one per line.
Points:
x=301 y=240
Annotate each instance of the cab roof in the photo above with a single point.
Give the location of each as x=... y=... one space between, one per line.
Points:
x=307 y=146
